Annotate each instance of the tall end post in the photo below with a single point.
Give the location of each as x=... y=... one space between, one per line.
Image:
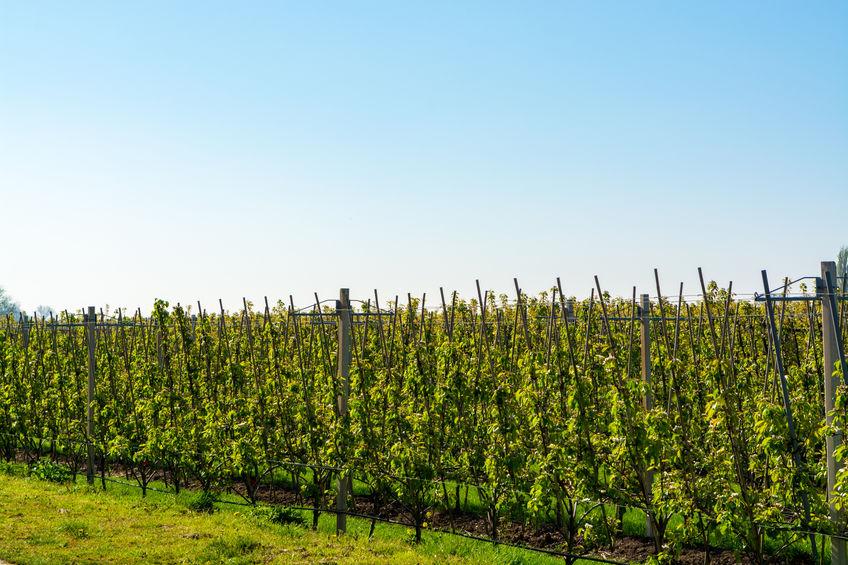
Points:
x=343 y=319
x=90 y=320
x=648 y=400
x=838 y=554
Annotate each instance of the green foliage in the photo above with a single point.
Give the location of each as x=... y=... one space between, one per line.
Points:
x=279 y=515
x=10 y=468
x=203 y=502
x=48 y=470
x=543 y=422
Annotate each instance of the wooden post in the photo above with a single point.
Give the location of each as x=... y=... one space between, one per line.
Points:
x=25 y=328
x=344 y=323
x=645 y=343
x=838 y=554
x=91 y=327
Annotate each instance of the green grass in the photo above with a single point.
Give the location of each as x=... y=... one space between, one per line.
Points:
x=50 y=522
x=45 y=522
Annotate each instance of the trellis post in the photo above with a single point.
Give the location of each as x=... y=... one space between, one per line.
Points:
x=831 y=384
x=90 y=321
x=648 y=401
x=25 y=328
x=343 y=315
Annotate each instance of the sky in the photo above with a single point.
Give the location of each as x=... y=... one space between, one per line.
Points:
x=203 y=150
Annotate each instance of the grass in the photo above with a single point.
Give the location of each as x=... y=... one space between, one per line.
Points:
x=46 y=522
x=46 y=518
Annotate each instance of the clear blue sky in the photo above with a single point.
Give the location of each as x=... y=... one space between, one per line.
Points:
x=197 y=150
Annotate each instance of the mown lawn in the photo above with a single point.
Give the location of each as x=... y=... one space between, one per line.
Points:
x=44 y=522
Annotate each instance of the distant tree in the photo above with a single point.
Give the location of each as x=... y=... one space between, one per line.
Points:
x=44 y=311
x=7 y=305
x=842 y=264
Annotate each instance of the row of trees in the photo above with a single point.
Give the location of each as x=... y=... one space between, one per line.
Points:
x=8 y=306
x=536 y=404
